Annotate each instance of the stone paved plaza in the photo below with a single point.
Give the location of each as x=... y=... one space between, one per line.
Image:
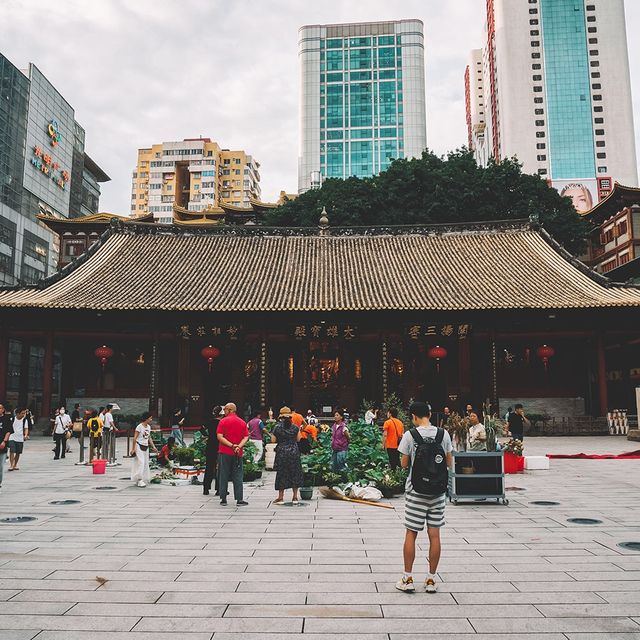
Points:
x=168 y=562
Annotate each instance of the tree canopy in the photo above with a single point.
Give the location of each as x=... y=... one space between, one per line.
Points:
x=434 y=189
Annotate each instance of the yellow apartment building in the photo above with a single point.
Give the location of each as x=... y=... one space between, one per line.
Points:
x=195 y=174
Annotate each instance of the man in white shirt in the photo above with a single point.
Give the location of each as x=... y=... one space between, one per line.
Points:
x=419 y=508
x=107 y=429
x=61 y=426
x=20 y=433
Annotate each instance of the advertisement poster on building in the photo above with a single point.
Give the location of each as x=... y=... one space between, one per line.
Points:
x=583 y=193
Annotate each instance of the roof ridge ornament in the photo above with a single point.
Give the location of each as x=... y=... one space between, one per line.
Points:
x=323 y=224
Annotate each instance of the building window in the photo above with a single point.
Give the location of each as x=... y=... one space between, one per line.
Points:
x=539 y=112
x=542 y=158
x=599 y=132
x=593 y=52
x=599 y=121
x=541 y=145
x=591 y=18
x=540 y=134
x=601 y=156
x=535 y=54
x=593 y=40
x=592 y=29
x=535 y=43
x=622 y=228
x=597 y=97
x=538 y=100
x=600 y=143
x=591 y=7
x=542 y=172
x=537 y=78
x=596 y=86
x=598 y=109
x=534 y=32
x=536 y=66
x=533 y=21
x=533 y=12
x=624 y=258
x=608 y=266
x=537 y=89
x=602 y=169
x=539 y=123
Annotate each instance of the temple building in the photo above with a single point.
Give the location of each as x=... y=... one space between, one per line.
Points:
x=614 y=243
x=191 y=315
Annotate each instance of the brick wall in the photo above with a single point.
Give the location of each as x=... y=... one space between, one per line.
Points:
x=557 y=408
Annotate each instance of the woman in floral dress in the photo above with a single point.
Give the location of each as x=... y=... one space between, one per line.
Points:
x=288 y=467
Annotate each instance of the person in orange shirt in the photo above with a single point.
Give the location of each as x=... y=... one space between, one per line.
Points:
x=393 y=430
x=297 y=418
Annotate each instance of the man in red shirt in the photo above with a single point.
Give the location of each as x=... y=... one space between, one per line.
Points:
x=232 y=436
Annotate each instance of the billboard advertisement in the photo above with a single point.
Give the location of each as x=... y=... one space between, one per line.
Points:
x=583 y=193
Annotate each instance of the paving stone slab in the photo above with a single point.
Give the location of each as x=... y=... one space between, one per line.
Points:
x=554 y=625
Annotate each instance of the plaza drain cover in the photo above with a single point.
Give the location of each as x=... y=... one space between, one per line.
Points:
x=124 y=478
x=632 y=546
x=18 y=519
x=545 y=503
x=65 y=502
x=584 y=521
x=105 y=488
x=515 y=489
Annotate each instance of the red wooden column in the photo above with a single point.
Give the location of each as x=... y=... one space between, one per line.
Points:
x=47 y=375
x=4 y=361
x=603 y=394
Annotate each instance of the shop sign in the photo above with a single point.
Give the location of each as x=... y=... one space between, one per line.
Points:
x=323 y=331
x=53 y=129
x=45 y=163
x=417 y=331
x=188 y=331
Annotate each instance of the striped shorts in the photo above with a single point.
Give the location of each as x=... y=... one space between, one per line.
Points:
x=419 y=509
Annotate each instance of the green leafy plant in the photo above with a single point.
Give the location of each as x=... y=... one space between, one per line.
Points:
x=184 y=455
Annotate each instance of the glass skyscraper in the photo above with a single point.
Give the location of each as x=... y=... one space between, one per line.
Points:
x=363 y=98
x=552 y=88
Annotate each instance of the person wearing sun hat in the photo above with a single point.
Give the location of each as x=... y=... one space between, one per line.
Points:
x=289 y=474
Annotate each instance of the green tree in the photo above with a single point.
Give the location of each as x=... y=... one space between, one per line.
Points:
x=435 y=189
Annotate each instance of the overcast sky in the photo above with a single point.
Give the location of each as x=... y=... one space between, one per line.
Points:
x=139 y=72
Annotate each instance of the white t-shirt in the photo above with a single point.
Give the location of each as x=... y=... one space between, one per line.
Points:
x=19 y=426
x=477 y=430
x=369 y=417
x=108 y=422
x=408 y=446
x=62 y=422
x=143 y=432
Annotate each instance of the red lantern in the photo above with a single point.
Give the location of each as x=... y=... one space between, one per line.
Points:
x=545 y=353
x=103 y=353
x=210 y=354
x=437 y=353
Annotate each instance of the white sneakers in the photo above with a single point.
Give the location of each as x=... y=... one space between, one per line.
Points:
x=141 y=483
x=406 y=584
x=430 y=586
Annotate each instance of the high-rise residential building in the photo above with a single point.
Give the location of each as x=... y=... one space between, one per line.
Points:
x=194 y=174
x=43 y=170
x=362 y=98
x=552 y=87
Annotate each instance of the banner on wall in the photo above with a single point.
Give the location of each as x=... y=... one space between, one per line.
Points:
x=583 y=193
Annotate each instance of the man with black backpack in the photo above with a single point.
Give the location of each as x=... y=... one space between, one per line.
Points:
x=427 y=452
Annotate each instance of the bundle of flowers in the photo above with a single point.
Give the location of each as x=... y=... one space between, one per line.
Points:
x=514 y=446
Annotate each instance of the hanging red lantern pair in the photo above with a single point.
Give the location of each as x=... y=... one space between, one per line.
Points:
x=210 y=353
x=437 y=353
x=103 y=353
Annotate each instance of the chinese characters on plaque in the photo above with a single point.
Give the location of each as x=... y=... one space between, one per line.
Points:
x=188 y=331
x=324 y=331
x=417 y=331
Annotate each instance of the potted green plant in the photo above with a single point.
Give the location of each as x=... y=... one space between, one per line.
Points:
x=185 y=456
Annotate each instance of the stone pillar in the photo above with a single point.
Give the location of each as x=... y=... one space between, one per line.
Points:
x=385 y=371
x=603 y=394
x=263 y=374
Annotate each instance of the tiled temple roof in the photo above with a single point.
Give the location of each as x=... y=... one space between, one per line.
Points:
x=509 y=265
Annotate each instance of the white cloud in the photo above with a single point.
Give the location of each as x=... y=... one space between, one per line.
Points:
x=143 y=71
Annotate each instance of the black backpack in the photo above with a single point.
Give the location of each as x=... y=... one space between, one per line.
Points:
x=429 y=472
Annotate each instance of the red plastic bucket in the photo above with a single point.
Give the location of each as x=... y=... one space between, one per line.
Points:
x=513 y=463
x=99 y=466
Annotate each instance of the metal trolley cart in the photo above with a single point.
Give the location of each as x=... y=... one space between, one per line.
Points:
x=477 y=476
